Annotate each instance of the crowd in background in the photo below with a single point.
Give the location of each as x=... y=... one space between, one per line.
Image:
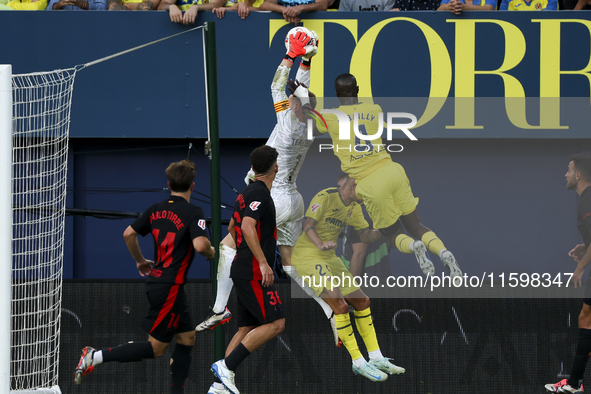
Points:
x=185 y=11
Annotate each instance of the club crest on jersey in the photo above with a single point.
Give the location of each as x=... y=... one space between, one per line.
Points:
x=349 y=213
x=254 y=205
x=315 y=207
x=201 y=224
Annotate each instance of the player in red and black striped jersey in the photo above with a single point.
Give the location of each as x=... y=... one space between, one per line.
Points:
x=173 y=223
x=578 y=178
x=254 y=230
x=254 y=202
x=178 y=228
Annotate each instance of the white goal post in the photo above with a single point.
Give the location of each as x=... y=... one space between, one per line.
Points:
x=38 y=146
x=5 y=222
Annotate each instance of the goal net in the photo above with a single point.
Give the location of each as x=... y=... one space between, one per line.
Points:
x=40 y=126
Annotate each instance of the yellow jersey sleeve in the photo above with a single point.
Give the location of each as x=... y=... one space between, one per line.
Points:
x=318 y=205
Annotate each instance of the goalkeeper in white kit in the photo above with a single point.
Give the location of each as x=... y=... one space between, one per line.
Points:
x=289 y=138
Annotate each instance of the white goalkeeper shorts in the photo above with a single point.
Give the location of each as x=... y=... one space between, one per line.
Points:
x=289 y=214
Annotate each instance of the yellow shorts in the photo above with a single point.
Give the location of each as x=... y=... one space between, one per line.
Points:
x=386 y=194
x=320 y=274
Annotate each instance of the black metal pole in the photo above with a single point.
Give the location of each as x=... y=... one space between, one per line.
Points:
x=214 y=161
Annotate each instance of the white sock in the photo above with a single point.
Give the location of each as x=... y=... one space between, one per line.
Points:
x=291 y=271
x=359 y=362
x=376 y=355
x=224 y=282
x=97 y=357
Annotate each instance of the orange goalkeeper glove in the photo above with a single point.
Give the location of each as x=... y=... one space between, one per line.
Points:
x=298 y=43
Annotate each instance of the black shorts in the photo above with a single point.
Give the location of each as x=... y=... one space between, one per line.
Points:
x=169 y=312
x=257 y=305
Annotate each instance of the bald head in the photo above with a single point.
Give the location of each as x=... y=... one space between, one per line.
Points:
x=346 y=86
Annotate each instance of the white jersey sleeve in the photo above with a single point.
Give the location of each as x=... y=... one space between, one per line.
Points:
x=279 y=83
x=286 y=119
x=303 y=76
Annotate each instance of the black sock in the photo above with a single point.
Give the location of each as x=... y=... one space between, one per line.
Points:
x=581 y=357
x=180 y=364
x=128 y=352
x=235 y=358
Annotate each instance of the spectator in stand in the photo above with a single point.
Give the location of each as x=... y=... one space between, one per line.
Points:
x=366 y=5
x=524 y=5
x=27 y=5
x=457 y=6
x=133 y=5
x=416 y=5
x=290 y=9
x=185 y=11
x=244 y=7
x=77 y=5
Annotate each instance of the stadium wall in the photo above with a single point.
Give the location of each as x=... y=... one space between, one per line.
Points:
x=158 y=91
x=488 y=171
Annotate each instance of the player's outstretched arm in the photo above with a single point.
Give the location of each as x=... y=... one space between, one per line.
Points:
x=280 y=81
x=303 y=75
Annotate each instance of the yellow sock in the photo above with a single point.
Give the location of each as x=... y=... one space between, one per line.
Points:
x=434 y=244
x=364 y=324
x=403 y=242
x=345 y=330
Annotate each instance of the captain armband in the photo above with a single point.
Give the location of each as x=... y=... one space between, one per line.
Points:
x=281 y=106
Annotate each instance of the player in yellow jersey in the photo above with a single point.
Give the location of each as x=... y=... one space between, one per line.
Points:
x=381 y=183
x=314 y=259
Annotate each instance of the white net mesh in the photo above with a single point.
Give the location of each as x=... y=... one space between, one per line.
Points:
x=41 y=119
